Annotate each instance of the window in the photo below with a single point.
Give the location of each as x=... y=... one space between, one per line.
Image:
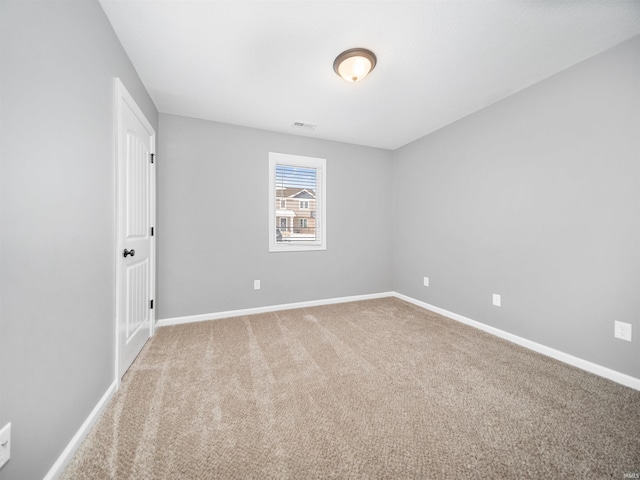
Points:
x=302 y=179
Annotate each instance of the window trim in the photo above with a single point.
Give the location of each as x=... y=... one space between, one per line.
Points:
x=320 y=202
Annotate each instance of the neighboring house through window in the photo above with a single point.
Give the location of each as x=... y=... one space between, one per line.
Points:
x=301 y=226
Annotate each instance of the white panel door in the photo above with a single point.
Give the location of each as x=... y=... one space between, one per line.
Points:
x=136 y=212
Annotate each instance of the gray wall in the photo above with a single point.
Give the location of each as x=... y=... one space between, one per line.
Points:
x=59 y=60
x=536 y=198
x=213 y=220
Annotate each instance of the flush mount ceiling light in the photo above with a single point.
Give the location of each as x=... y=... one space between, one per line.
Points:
x=354 y=64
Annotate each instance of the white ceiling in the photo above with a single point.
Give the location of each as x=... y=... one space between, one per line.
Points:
x=266 y=64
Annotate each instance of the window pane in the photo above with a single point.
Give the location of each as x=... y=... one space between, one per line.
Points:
x=297 y=203
x=296 y=197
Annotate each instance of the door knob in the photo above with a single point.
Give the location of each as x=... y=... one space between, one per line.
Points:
x=131 y=252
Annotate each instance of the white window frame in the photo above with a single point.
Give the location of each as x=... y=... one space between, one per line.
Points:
x=302 y=223
x=305 y=202
x=320 y=164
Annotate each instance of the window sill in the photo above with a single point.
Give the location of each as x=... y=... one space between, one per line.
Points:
x=295 y=248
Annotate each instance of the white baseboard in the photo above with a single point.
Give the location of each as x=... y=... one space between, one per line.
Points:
x=165 y=322
x=591 y=367
x=67 y=454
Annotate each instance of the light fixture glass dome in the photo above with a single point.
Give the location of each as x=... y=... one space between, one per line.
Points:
x=354 y=64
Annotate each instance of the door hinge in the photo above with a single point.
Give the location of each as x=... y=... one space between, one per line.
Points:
x=152 y=231
x=151 y=306
x=153 y=157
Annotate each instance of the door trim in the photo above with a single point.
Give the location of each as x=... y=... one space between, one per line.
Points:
x=122 y=96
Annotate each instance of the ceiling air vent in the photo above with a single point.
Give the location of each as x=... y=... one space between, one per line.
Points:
x=305 y=125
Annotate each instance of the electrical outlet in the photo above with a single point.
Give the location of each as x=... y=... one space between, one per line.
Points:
x=5 y=444
x=256 y=284
x=497 y=301
x=426 y=281
x=622 y=330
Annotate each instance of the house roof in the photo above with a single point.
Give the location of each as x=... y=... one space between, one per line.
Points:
x=304 y=193
x=297 y=193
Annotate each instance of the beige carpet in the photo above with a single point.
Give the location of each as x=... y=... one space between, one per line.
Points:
x=373 y=389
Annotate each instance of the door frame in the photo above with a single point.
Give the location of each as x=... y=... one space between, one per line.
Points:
x=122 y=96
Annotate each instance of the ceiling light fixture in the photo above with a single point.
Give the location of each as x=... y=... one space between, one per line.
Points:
x=354 y=64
